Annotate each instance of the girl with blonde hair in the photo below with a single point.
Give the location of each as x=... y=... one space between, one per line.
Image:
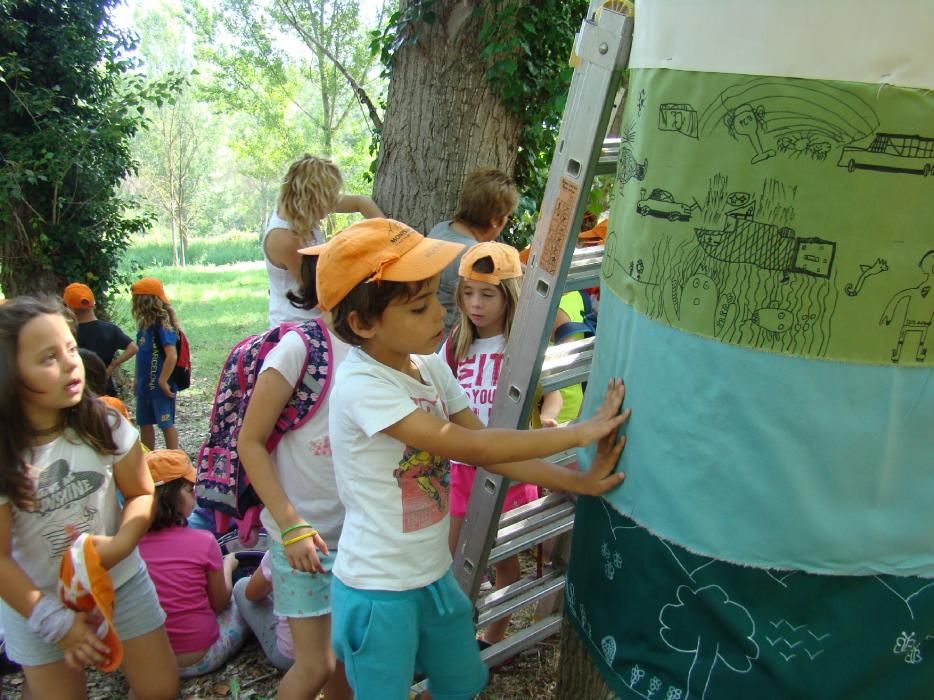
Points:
x=310 y=191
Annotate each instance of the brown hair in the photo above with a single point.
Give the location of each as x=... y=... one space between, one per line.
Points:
x=90 y=420
x=465 y=331
x=308 y=193
x=150 y=310
x=368 y=299
x=487 y=193
x=95 y=372
x=168 y=506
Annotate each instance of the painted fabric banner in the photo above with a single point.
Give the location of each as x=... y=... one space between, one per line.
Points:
x=767 y=296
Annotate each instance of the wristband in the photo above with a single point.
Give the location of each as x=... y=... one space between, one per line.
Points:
x=51 y=620
x=294 y=527
x=299 y=538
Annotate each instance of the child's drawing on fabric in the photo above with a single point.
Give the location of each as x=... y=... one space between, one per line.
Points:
x=892 y=153
x=865 y=272
x=678 y=117
x=788 y=117
x=671 y=624
x=918 y=311
x=742 y=229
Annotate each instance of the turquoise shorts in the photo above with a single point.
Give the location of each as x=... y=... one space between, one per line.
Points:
x=380 y=636
x=299 y=593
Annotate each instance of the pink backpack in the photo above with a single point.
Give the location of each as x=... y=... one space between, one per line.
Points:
x=222 y=484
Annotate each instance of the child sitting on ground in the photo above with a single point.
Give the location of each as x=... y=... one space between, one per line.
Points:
x=397 y=416
x=253 y=597
x=192 y=578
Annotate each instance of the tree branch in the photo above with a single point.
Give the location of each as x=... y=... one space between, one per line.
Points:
x=354 y=85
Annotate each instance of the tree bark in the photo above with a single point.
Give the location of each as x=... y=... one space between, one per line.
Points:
x=577 y=676
x=442 y=120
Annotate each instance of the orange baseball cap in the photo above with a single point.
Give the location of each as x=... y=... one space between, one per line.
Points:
x=78 y=296
x=116 y=404
x=85 y=585
x=373 y=250
x=169 y=465
x=150 y=286
x=506 y=263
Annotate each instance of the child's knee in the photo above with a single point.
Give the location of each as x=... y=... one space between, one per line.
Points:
x=160 y=687
x=314 y=669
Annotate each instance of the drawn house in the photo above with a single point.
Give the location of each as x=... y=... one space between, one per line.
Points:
x=767 y=246
x=892 y=153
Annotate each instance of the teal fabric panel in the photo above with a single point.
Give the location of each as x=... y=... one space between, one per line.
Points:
x=770 y=460
x=662 y=623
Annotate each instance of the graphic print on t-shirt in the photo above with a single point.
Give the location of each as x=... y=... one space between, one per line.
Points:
x=424 y=480
x=478 y=375
x=60 y=494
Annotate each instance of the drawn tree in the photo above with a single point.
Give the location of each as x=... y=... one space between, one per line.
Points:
x=690 y=627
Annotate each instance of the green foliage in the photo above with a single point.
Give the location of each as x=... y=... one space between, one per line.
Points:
x=68 y=109
x=526 y=45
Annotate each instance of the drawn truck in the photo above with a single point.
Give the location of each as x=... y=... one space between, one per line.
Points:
x=892 y=153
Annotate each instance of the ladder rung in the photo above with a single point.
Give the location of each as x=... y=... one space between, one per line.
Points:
x=547 y=513
x=538 y=528
x=508 y=599
x=563 y=459
x=609 y=156
x=533 y=507
x=584 y=271
x=566 y=364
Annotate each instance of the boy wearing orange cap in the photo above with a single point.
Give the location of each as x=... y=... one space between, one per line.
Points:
x=103 y=338
x=397 y=416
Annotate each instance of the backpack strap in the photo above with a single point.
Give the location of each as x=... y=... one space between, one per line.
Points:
x=313 y=381
x=585 y=325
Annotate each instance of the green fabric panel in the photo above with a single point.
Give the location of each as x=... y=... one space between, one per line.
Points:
x=788 y=215
x=663 y=623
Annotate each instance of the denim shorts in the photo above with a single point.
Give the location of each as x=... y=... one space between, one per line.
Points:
x=137 y=612
x=299 y=593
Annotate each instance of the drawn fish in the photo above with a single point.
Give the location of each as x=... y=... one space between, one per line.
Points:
x=773 y=319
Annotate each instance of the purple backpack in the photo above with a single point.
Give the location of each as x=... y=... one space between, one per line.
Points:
x=222 y=484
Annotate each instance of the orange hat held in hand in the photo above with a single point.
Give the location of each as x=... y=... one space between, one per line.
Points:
x=84 y=585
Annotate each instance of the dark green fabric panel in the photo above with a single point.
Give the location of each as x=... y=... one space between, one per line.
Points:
x=665 y=624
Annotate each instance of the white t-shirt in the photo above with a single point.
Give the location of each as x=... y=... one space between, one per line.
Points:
x=281 y=281
x=396 y=531
x=303 y=457
x=74 y=486
x=478 y=373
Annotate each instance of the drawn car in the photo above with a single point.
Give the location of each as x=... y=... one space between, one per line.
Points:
x=661 y=204
x=892 y=153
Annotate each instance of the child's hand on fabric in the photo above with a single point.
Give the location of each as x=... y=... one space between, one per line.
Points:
x=600 y=477
x=302 y=555
x=549 y=423
x=231 y=562
x=607 y=418
x=81 y=645
x=166 y=389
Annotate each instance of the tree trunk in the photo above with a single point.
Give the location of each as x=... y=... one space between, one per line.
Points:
x=20 y=271
x=577 y=676
x=442 y=120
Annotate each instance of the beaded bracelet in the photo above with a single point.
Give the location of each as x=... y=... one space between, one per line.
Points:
x=299 y=538
x=294 y=527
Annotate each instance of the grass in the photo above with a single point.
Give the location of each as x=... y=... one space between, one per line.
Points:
x=155 y=250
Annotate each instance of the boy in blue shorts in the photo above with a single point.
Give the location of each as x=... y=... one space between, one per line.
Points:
x=397 y=416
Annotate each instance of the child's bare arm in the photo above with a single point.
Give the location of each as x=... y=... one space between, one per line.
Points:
x=270 y=396
x=80 y=643
x=135 y=483
x=353 y=203
x=457 y=440
x=171 y=358
x=258 y=587
x=220 y=584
